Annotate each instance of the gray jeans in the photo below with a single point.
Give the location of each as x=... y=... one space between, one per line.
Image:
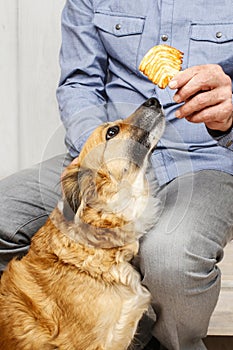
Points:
x=178 y=258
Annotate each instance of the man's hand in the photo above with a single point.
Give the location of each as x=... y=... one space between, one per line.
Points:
x=207 y=95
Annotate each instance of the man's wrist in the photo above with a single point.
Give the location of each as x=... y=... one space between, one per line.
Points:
x=217 y=134
x=224 y=139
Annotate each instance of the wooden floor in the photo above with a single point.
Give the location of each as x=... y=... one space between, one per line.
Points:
x=222 y=319
x=221 y=324
x=219 y=343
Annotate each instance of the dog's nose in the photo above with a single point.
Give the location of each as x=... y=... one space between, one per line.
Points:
x=152 y=102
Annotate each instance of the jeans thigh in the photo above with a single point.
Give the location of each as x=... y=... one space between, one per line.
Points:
x=179 y=256
x=26 y=200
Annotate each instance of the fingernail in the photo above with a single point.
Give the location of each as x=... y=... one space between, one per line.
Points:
x=176 y=98
x=177 y=114
x=173 y=84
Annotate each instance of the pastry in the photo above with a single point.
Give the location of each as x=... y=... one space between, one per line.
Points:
x=161 y=63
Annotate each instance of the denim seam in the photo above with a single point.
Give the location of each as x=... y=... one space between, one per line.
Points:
x=28 y=222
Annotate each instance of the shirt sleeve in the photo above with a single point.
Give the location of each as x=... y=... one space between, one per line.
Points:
x=83 y=61
x=225 y=139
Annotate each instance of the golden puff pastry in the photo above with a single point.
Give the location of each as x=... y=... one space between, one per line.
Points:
x=161 y=63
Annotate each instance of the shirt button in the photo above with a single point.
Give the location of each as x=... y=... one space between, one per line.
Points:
x=164 y=37
x=118 y=26
x=218 y=35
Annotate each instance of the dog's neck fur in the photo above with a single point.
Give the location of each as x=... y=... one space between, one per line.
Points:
x=131 y=210
x=89 y=235
x=66 y=249
x=80 y=243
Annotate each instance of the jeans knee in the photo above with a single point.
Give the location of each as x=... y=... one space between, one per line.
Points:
x=182 y=284
x=172 y=264
x=161 y=265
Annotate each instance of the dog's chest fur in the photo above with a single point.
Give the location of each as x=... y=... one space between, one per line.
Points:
x=65 y=297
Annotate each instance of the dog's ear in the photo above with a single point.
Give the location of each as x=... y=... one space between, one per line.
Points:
x=68 y=213
x=70 y=189
x=75 y=183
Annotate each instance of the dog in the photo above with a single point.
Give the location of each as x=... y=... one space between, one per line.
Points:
x=76 y=288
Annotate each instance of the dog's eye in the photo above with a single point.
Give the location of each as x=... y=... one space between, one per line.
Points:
x=112 y=132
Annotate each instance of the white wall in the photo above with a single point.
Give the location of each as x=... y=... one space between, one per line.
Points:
x=30 y=128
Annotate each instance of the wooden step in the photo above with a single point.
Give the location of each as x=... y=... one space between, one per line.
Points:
x=221 y=322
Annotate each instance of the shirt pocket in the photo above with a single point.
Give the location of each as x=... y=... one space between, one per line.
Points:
x=210 y=43
x=121 y=36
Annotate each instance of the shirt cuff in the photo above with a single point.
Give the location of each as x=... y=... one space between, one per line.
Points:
x=224 y=139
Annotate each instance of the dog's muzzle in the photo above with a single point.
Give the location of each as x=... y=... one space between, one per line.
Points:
x=152 y=102
x=150 y=121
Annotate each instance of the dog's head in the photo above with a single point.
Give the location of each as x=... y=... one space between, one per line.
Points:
x=107 y=189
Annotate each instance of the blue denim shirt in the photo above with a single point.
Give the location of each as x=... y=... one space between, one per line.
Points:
x=103 y=42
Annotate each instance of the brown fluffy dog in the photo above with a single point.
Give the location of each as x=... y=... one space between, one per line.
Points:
x=75 y=289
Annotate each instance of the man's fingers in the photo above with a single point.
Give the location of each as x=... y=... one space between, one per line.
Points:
x=210 y=116
x=207 y=95
x=196 y=79
x=182 y=77
x=202 y=101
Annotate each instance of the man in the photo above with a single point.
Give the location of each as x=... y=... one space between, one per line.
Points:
x=103 y=43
